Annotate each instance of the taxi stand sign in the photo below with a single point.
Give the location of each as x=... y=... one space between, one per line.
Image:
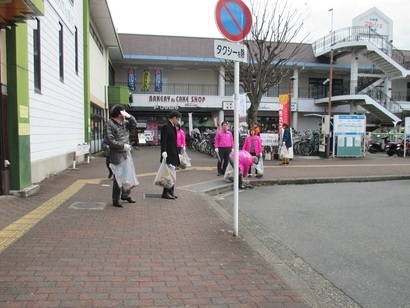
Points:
x=234 y=20
x=230 y=51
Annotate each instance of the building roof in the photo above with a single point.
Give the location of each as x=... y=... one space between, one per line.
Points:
x=161 y=49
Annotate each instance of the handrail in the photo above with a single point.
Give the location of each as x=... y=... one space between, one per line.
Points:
x=383 y=99
x=361 y=34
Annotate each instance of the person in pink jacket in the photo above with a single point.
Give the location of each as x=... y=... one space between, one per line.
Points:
x=253 y=145
x=245 y=161
x=181 y=143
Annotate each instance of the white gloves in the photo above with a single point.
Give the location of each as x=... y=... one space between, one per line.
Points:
x=127 y=147
x=216 y=150
x=125 y=114
x=164 y=155
x=183 y=147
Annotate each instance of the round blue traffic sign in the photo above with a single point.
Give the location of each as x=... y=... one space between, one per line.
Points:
x=234 y=19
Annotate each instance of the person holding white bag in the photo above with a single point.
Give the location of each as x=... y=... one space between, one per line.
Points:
x=287 y=143
x=169 y=149
x=116 y=132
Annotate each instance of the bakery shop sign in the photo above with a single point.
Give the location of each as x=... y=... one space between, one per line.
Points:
x=178 y=100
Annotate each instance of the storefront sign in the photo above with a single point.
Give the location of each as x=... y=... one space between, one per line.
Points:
x=176 y=99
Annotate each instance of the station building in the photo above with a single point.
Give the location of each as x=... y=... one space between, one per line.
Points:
x=63 y=65
x=369 y=76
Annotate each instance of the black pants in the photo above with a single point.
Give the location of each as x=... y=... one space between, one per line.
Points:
x=250 y=167
x=223 y=159
x=231 y=161
x=107 y=163
x=168 y=190
x=117 y=192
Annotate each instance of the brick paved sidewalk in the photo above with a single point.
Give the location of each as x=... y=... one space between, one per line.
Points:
x=153 y=253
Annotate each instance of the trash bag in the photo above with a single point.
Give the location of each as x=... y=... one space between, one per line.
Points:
x=184 y=160
x=259 y=167
x=283 y=152
x=166 y=175
x=229 y=173
x=125 y=173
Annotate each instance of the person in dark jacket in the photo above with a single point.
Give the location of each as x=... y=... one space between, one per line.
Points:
x=116 y=132
x=169 y=149
x=287 y=141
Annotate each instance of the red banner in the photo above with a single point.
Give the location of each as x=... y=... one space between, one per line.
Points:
x=284 y=110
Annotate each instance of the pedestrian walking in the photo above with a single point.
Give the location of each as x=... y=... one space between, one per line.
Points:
x=223 y=143
x=116 y=132
x=286 y=142
x=253 y=145
x=169 y=149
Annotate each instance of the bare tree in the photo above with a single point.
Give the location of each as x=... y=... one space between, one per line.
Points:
x=271 y=53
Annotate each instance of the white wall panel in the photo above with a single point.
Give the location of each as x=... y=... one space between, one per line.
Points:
x=57 y=113
x=98 y=67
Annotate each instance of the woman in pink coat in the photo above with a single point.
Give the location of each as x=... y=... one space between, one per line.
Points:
x=181 y=143
x=245 y=161
x=253 y=145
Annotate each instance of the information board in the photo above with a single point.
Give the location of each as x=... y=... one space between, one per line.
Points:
x=349 y=131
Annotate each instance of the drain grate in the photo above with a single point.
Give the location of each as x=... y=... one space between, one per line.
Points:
x=151 y=196
x=88 y=205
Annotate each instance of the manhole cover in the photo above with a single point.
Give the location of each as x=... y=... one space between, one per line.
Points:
x=88 y=205
x=150 y=196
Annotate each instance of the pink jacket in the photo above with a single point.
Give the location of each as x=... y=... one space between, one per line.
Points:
x=245 y=160
x=180 y=138
x=257 y=142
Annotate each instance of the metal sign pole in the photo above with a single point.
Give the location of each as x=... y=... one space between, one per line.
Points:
x=236 y=149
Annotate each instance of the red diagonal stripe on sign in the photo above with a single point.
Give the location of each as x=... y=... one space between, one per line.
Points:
x=233 y=18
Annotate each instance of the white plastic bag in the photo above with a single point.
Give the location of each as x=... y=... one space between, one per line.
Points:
x=259 y=167
x=166 y=175
x=283 y=153
x=125 y=173
x=229 y=173
x=184 y=160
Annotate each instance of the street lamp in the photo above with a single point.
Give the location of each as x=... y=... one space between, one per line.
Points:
x=291 y=79
x=331 y=26
x=329 y=111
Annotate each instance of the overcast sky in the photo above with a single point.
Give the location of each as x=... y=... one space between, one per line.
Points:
x=197 y=17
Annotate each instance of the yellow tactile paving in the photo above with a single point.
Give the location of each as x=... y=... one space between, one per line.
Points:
x=16 y=230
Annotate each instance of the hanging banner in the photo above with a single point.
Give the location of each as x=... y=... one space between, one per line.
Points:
x=146 y=79
x=158 y=80
x=190 y=123
x=242 y=105
x=284 y=110
x=132 y=76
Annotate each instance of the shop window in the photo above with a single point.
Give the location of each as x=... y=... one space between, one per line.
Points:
x=37 y=55
x=61 y=52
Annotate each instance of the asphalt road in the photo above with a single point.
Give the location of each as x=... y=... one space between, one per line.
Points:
x=356 y=235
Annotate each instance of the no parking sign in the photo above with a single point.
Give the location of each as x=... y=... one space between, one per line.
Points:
x=234 y=19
